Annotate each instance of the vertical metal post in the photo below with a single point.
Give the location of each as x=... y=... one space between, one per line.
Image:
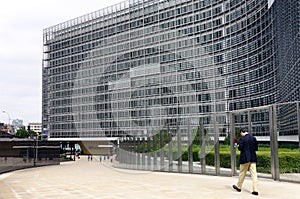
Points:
x=138 y=153
x=149 y=152
x=298 y=123
x=134 y=154
x=202 y=149
x=34 y=148
x=170 y=154
x=143 y=153
x=128 y=149
x=27 y=155
x=155 y=152
x=274 y=143
x=119 y=153
x=74 y=151
x=232 y=147
x=217 y=146
x=124 y=151
x=162 y=157
x=122 y=148
x=190 y=150
x=37 y=147
x=179 y=150
x=126 y=158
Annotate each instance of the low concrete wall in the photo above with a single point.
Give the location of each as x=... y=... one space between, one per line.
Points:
x=14 y=163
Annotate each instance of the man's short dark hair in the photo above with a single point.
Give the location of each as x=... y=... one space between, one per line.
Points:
x=243 y=130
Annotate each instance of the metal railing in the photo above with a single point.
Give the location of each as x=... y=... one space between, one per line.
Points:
x=172 y=151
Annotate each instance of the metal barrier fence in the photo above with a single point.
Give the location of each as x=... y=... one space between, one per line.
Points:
x=201 y=149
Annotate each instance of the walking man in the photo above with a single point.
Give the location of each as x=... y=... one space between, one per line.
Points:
x=248 y=146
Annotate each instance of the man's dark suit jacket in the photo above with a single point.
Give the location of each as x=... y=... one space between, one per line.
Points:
x=247 y=145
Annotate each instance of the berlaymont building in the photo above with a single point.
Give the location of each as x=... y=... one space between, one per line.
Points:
x=142 y=66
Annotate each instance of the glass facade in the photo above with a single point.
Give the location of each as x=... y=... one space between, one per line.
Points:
x=146 y=65
x=287 y=49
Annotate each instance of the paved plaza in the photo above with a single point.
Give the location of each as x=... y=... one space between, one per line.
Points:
x=85 y=179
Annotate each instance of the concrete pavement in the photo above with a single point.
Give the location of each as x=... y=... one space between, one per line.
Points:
x=85 y=179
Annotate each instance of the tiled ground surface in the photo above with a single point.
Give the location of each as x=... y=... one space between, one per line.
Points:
x=84 y=179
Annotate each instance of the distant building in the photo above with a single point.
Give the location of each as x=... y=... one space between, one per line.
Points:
x=4 y=132
x=18 y=123
x=36 y=127
x=5 y=129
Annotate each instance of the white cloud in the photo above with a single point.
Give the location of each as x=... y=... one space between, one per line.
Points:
x=21 y=32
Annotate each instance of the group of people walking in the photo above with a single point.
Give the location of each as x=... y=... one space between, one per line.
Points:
x=110 y=158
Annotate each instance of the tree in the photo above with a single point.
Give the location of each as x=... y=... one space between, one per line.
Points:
x=23 y=133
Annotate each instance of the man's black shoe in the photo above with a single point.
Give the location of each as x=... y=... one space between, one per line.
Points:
x=255 y=193
x=236 y=188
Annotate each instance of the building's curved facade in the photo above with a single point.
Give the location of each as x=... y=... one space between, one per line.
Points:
x=141 y=66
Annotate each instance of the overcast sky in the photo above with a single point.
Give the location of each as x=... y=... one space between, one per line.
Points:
x=21 y=46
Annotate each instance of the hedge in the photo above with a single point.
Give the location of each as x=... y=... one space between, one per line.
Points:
x=289 y=162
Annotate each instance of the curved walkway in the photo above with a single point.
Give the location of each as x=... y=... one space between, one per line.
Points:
x=84 y=179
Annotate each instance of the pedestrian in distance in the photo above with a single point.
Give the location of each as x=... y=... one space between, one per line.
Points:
x=89 y=157
x=248 y=146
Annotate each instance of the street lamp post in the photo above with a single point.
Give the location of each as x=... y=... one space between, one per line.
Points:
x=7 y=116
x=8 y=125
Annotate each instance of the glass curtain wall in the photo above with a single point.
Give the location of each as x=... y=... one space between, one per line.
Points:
x=138 y=67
